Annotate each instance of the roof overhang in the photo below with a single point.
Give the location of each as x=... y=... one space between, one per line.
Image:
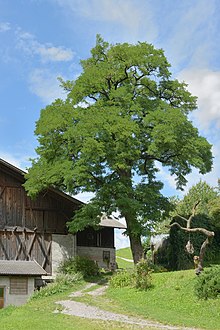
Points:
x=21 y=267
x=111 y=222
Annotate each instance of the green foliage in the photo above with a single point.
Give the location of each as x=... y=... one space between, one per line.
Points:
x=121 y=279
x=83 y=265
x=175 y=252
x=208 y=283
x=177 y=255
x=143 y=279
x=202 y=192
x=62 y=283
x=140 y=277
x=122 y=115
x=214 y=211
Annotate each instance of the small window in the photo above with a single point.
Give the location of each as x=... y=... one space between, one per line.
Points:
x=19 y=285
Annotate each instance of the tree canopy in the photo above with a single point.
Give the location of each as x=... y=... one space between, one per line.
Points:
x=122 y=116
x=201 y=192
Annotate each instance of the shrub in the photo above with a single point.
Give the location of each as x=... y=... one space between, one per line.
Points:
x=156 y=268
x=83 y=265
x=143 y=275
x=121 y=279
x=208 y=283
x=60 y=284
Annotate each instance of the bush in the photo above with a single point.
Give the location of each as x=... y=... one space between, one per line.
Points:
x=122 y=279
x=62 y=283
x=143 y=275
x=83 y=265
x=208 y=283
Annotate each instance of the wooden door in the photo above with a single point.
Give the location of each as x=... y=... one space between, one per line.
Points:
x=1 y=297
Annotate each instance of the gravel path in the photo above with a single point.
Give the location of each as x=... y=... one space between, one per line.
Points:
x=129 y=260
x=86 y=311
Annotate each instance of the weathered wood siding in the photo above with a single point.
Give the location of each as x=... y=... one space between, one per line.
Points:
x=26 y=246
x=48 y=213
x=26 y=226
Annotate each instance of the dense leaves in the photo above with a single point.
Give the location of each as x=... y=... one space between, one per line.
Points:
x=208 y=284
x=122 y=116
x=175 y=254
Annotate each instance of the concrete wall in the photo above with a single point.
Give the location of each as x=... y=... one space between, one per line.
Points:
x=63 y=247
x=96 y=254
x=16 y=300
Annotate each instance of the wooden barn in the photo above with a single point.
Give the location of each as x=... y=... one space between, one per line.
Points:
x=36 y=229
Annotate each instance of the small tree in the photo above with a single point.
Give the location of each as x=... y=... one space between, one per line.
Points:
x=197 y=201
x=198 y=260
x=122 y=116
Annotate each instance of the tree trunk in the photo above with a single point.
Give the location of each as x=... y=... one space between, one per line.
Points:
x=134 y=237
x=199 y=265
x=133 y=227
x=136 y=247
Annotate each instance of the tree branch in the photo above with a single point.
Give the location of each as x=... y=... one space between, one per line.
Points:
x=194 y=230
x=93 y=97
x=183 y=218
x=162 y=160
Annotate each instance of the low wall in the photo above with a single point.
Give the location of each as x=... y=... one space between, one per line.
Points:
x=96 y=254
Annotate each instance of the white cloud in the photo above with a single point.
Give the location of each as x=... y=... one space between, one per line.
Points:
x=121 y=241
x=165 y=176
x=20 y=161
x=205 y=84
x=45 y=85
x=191 y=38
x=5 y=26
x=47 y=52
x=84 y=197
x=136 y=17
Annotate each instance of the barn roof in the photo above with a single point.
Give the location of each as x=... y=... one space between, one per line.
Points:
x=111 y=222
x=21 y=267
x=20 y=174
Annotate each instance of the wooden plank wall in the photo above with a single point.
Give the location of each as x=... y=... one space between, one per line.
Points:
x=26 y=246
x=26 y=226
x=47 y=213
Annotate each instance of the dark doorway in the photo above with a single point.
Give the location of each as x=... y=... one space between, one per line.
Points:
x=2 y=297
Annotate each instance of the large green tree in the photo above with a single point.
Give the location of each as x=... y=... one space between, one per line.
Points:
x=122 y=117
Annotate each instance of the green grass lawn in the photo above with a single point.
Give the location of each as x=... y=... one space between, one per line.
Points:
x=170 y=301
x=124 y=253
x=38 y=314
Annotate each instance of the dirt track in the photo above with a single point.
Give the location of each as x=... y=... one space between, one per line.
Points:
x=80 y=309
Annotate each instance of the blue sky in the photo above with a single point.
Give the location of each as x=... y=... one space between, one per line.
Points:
x=41 y=40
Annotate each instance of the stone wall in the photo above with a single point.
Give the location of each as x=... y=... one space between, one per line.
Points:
x=63 y=247
x=96 y=254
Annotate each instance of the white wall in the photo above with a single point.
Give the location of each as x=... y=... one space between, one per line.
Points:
x=16 y=300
